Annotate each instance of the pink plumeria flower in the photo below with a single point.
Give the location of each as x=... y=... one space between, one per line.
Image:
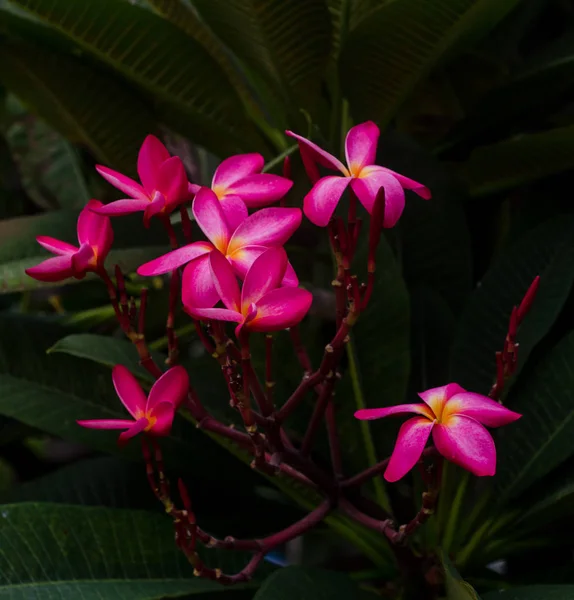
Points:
x=261 y=305
x=95 y=237
x=163 y=186
x=361 y=173
x=454 y=416
x=152 y=415
x=239 y=184
x=268 y=227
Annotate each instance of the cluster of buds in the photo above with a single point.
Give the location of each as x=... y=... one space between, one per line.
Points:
x=241 y=274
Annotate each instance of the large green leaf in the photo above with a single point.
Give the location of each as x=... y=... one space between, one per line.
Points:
x=534 y=592
x=309 y=584
x=542 y=438
x=287 y=43
x=395 y=48
x=55 y=551
x=187 y=84
x=456 y=587
x=519 y=160
x=548 y=251
x=84 y=105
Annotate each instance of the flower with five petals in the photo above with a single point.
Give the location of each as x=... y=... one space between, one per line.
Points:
x=163 y=186
x=95 y=236
x=456 y=418
x=152 y=415
x=361 y=173
x=260 y=305
x=268 y=227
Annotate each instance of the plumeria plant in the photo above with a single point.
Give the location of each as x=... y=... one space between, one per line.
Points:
x=235 y=284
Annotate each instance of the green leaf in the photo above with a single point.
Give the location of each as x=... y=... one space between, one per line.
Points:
x=548 y=251
x=309 y=584
x=534 y=592
x=86 y=106
x=395 y=48
x=456 y=587
x=288 y=43
x=519 y=160
x=57 y=551
x=542 y=438
x=188 y=86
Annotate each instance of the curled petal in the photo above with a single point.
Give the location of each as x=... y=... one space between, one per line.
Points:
x=466 y=443
x=402 y=409
x=410 y=184
x=83 y=260
x=361 y=146
x=163 y=413
x=137 y=427
x=320 y=203
x=129 y=391
x=266 y=227
x=482 y=409
x=209 y=216
x=130 y=187
x=436 y=398
x=320 y=156
x=215 y=314
x=197 y=286
x=411 y=441
x=171 y=387
x=234 y=210
x=225 y=281
x=242 y=259
x=172 y=181
x=56 y=246
x=150 y=158
x=259 y=190
x=265 y=274
x=281 y=308
x=367 y=185
x=106 y=423
x=123 y=207
x=52 y=269
x=156 y=206
x=193 y=188
x=95 y=229
x=290 y=278
x=175 y=259
x=234 y=168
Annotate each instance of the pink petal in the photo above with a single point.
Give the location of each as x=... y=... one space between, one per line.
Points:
x=265 y=274
x=129 y=391
x=401 y=409
x=236 y=167
x=466 y=443
x=309 y=163
x=209 y=216
x=193 y=188
x=361 y=146
x=320 y=156
x=281 y=308
x=157 y=205
x=411 y=184
x=130 y=187
x=234 y=210
x=411 y=441
x=52 y=269
x=139 y=426
x=436 y=398
x=151 y=155
x=123 y=207
x=367 y=185
x=82 y=260
x=320 y=203
x=106 y=424
x=225 y=281
x=175 y=259
x=172 y=181
x=290 y=279
x=482 y=409
x=164 y=413
x=266 y=227
x=197 y=286
x=260 y=190
x=215 y=314
x=242 y=259
x=171 y=387
x=95 y=230
x=56 y=246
